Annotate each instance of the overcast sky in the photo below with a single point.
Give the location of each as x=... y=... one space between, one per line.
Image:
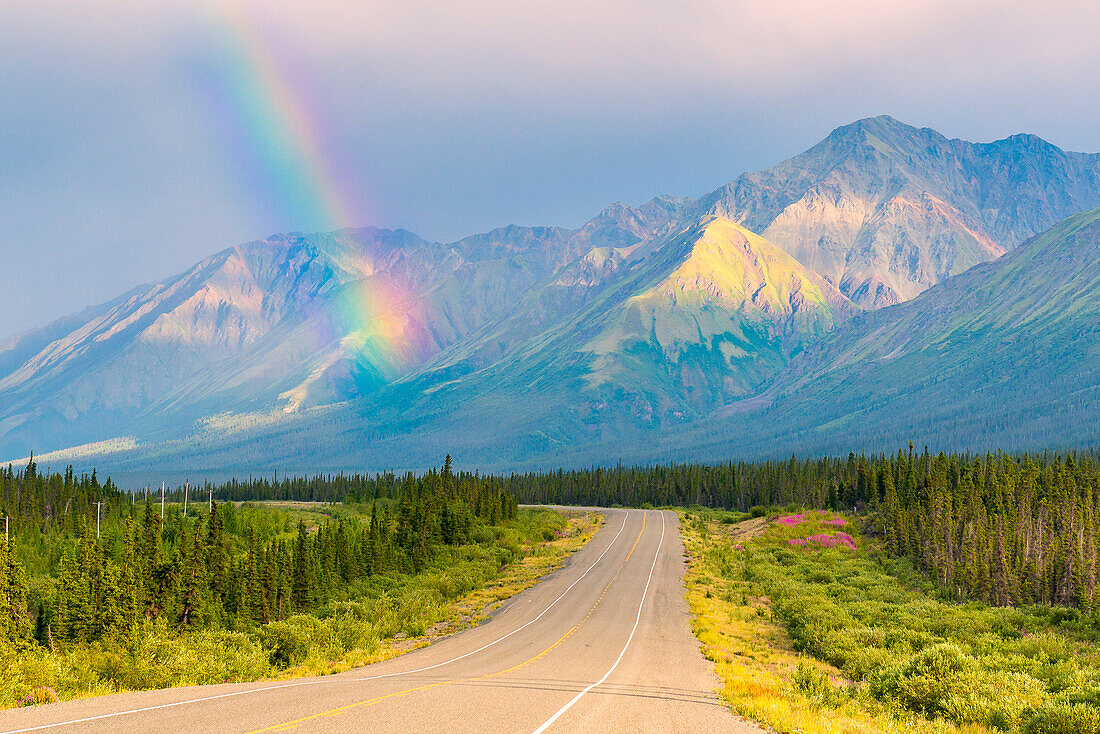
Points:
x=125 y=155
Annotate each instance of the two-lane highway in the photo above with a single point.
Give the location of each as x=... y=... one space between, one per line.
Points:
x=603 y=645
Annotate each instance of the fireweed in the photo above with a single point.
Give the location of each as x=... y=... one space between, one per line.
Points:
x=888 y=631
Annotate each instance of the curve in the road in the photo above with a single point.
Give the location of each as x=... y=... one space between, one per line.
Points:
x=459 y=681
x=298 y=684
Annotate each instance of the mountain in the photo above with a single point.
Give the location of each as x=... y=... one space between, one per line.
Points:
x=199 y=338
x=654 y=336
x=718 y=321
x=730 y=323
x=884 y=210
x=1005 y=355
x=287 y=323
x=672 y=325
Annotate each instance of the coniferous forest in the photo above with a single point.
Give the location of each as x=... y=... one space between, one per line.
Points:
x=86 y=564
x=1001 y=528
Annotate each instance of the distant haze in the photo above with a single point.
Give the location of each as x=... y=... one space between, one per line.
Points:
x=137 y=137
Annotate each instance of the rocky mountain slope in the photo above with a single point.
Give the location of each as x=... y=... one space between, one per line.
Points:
x=885 y=210
x=1006 y=354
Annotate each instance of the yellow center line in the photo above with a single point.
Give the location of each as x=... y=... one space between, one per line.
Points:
x=287 y=726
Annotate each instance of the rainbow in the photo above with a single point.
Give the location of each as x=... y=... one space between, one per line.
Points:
x=287 y=158
x=278 y=140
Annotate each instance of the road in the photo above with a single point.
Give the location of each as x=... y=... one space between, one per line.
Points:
x=603 y=645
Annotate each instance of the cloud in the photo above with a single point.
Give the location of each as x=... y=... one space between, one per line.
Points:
x=451 y=117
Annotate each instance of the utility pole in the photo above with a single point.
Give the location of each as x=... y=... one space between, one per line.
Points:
x=186 y=491
x=162 y=500
x=210 y=506
x=98 y=507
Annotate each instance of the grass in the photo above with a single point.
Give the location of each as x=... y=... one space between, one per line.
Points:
x=810 y=638
x=461 y=588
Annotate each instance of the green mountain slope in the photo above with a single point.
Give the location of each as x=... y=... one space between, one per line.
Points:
x=1004 y=355
x=722 y=323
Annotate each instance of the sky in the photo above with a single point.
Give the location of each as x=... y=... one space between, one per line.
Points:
x=137 y=138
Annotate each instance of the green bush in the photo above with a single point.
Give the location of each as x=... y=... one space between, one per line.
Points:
x=1046 y=647
x=219 y=657
x=1064 y=718
x=942 y=680
x=290 y=642
x=349 y=633
x=814 y=684
x=995 y=699
x=924 y=681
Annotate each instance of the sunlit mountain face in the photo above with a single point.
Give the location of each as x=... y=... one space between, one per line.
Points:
x=363 y=347
x=885 y=210
x=1007 y=353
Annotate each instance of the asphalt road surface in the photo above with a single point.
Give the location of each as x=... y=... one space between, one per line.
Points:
x=603 y=645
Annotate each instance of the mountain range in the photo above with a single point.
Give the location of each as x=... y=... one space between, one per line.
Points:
x=856 y=296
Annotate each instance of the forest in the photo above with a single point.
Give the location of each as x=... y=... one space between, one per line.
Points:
x=84 y=561
x=233 y=581
x=999 y=528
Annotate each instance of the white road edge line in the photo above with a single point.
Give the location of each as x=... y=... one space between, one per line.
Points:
x=328 y=680
x=637 y=618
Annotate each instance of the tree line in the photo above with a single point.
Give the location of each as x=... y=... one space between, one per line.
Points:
x=999 y=528
x=220 y=565
x=1002 y=529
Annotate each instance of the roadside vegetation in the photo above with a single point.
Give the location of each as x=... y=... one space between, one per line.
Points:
x=999 y=528
x=237 y=592
x=814 y=627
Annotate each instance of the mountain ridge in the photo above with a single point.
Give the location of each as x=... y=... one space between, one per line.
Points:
x=871 y=197
x=645 y=321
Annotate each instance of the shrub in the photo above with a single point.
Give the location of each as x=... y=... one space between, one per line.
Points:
x=289 y=642
x=996 y=699
x=942 y=680
x=814 y=684
x=1045 y=647
x=1064 y=718
x=219 y=657
x=924 y=681
x=349 y=633
x=483 y=535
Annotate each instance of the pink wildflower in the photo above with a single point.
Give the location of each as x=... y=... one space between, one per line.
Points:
x=828 y=541
x=797 y=541
x=39 y=695
x=790 y=521
x=838 y=522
